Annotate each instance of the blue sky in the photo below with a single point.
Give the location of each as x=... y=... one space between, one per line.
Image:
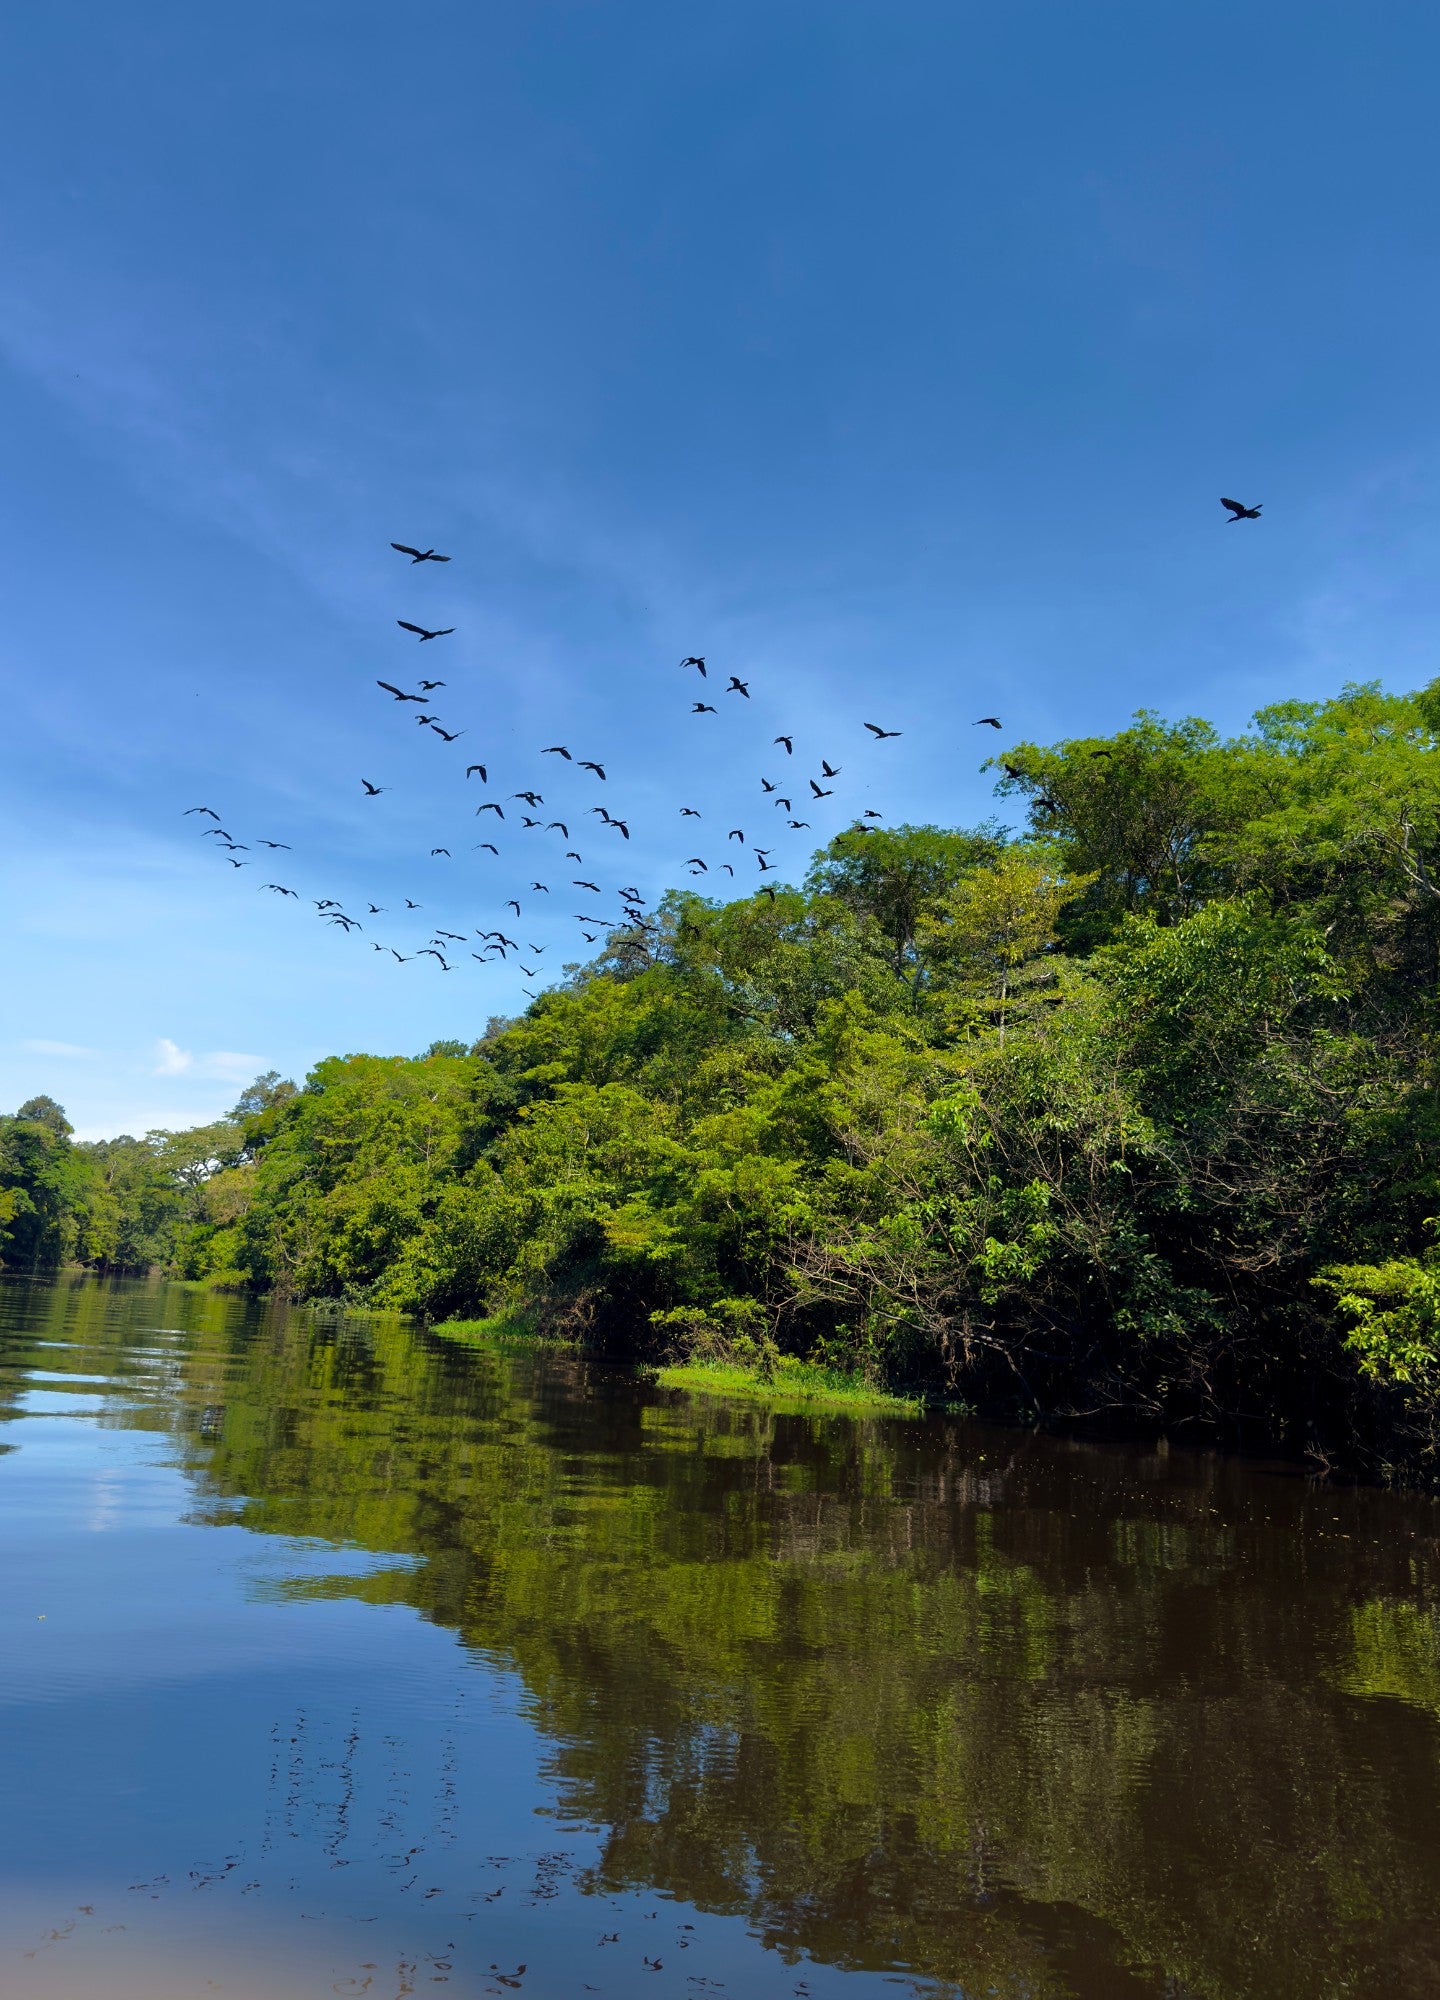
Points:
x=894 y=357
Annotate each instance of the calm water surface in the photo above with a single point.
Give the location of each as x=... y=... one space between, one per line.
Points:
x=337 y=1659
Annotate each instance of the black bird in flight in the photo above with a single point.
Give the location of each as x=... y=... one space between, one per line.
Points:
x=1102 y=753
x=235 y=846
x=236 y=864
x=797 y=823
x=589 y=936
x=1240 y=512
x=594 y=887
x=766 y=866
x=552 y=824
x=621 y=824
x=511 y=904
x=530 y=972
x=694 y=861
x=413 y=906
x=767 y=889
x=1012 y=771
x=540 y=886
x=439 y=850
x=529 y=992
x=829 y=770
x=373 y=791
x=558 y=750
x=349 y=923
x=423 y=721
x=604 y=812
x=789 y=745
x=281 y=891
x=738 y=686
x=328 y=904
x=877 y=732
x=399 y=960
x=703 y=708
x=443 y=633
x=471 y=769
x=819 y=793
x=766 y=786
x=426 y=687
x=490 y=807
x=486 y=843
x=786 y=803
x=390 y=688
x=688 y=812
x=531 y=798
x=695 y=660
x=376 y=909
x=984 y=721
x=215 y=833
x=870 y=813
x=538 y=948
x=726 y=866
x=588 y=764
x=201 y=809
x=426 y=952
x=449 y=734
x=630 y=891
x=736 y=833
x=417 y=555
x=525 y=820
x=456 y=937
x=274 y=843
x=571 y=855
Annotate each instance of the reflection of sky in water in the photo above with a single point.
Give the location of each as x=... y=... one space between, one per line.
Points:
x=339 y=1660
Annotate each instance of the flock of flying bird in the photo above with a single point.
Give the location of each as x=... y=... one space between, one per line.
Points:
x=444 y=946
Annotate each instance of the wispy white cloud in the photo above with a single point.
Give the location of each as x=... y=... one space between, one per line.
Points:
x=36 y=1047
x=224 y=1065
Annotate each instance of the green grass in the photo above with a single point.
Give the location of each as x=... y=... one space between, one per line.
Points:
x=504 y=1329
x=789 y=1382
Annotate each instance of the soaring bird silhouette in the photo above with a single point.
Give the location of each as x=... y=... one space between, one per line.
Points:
x=552 y=824
x=870 y=813
x=201 y=809
x=797 y=823
x=440 y=850
x=531 y=798
x=694 y=861
x=426 y=952
x=443 y=633
x=417 y=555
x=471 y=769
x=525 y=820
x=594 y=887
x=789 y=744
x=398 y=957
x=490 y=807
x=767 y=889
x=390 y=688
x=376 y=909
x=571 y=855
x=726 y=866
x=703 y=708
x=766 y=786
x=738 y=686
x=350 y=923
x=486 y=843
x=766 y=867
x=786 y=803
x=557 y=750
x=621 y=824
x=736 y=833
x=373 y=791
x=427 y=687
x=424 y=721
x=695 y=660
x=540 y=886
x=1012 y=771
x=413 y=906
x=688 y=812
x=1240 y=512
x=589 y=936
x=274 y=843
x=449 y=734
x=589 y=764
x=280 y=891
x=511 y=904
x=819 y=792
x=986 y=721
x=236 y=864
x=829 y=770
x=877 y=732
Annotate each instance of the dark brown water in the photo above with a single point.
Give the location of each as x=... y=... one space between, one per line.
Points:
x=337 y=1659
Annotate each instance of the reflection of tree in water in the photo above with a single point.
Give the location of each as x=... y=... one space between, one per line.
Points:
x=1010 y=1713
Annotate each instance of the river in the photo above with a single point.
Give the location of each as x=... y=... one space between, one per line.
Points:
x=339 y=1658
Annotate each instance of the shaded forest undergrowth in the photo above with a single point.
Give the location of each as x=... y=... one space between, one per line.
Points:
x=1132 y=1113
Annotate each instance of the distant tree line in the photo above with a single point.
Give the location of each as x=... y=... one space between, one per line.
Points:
x=1134 y=1112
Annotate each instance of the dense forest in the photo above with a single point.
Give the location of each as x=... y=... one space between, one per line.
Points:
x=1132 y=1112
